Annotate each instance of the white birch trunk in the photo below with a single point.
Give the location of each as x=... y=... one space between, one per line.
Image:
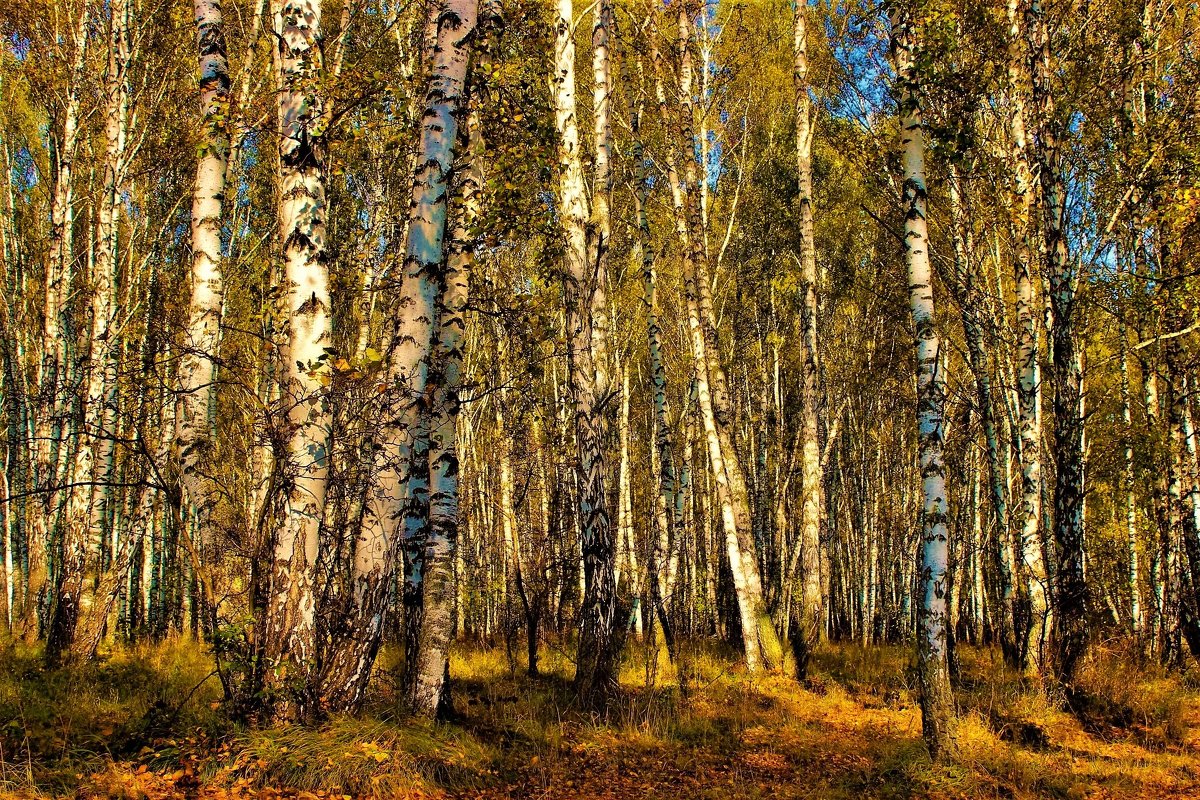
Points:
x=758 y=634
x=626 y=541
x=669 y=502
x=437 y=621
x=809 y=629
x=1070 y=628
x=197 y=366
x=937 y=703
x=398 y=498
x=87 y=507
x=586 y=309
x=1029 y=381
x=1136 y=618
x=290 y=626
x=59 y=280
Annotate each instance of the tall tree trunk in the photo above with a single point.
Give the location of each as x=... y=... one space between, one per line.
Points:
x=88 y=506
x=669 y=504
x=809 y=627
x=1070 y=618
x=583 y=295
x=1128 y=481
x=398 y=500
x=57 y=330
x=937 y=702
x=1029 y=381
x=763 y=628
x=290 y=625
x=197 y=367
x=759 y=640
x=972 y=302
x=1189 y=514
x=430 y=691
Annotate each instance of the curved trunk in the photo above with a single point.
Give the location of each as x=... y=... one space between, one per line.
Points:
x=759 y=639
x=397 y=505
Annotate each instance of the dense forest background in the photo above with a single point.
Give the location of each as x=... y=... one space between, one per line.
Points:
x=367 y=354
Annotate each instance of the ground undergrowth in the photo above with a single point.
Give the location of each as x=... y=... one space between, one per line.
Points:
x=147 y=722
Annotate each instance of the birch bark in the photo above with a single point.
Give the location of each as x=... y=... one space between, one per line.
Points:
x=437 y=621
x=197 y=367
x=59 y=280
x=88 y=504
x=684 y=212
x=1029 y=380
x=972 y=302
x=759 y=640
x=289 y=628
x=1070 y=626
x=669 y=504
x=808 y=631
x=583 y=296
x=937 y=702
x=398 y=500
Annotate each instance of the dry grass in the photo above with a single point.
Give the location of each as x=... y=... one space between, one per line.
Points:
x=702 y=728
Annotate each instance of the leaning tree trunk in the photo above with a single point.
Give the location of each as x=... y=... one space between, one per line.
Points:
x=595 y=672
x=289 y=629
x=763 y=628
x=937 y=702
x=759 y=640
x=685 y=219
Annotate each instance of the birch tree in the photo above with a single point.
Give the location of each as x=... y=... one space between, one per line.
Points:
x=809 y=629
x=933 y=620
x=584 y=279
x=669 y=503
x=197 y=368
x=397 y=507
x=437 y=620
x=289 y=625
x=1029 y=381
x=52 y=369
x=1070 y=620
x=759 y=640
x=88 y=504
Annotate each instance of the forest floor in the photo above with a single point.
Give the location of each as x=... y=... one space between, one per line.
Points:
x=147 y=723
